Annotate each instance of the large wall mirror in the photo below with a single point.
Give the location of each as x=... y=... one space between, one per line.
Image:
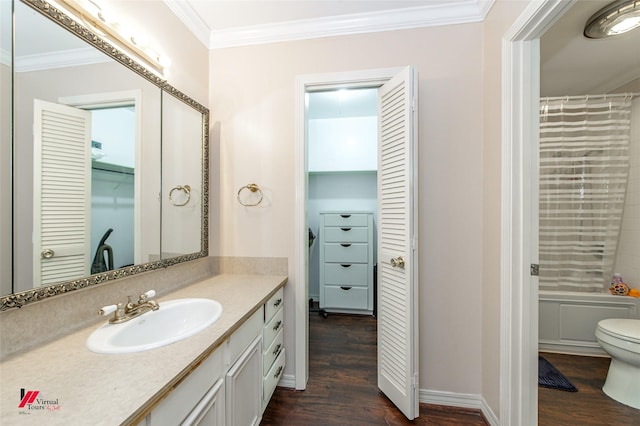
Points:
x=103 y=165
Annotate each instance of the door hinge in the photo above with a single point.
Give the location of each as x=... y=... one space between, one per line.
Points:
x=535 y=269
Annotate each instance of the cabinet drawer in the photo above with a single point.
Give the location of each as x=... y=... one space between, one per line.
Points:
x=274 y=303
x=242 y=337
x=272 y=351
x=345 y=298
x=347 y=253
x=346 y=234
x=272 y=328
x=345 y=219
x=354 y=274
x=270 y=380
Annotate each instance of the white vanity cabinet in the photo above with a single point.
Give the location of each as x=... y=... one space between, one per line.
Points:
x=273 y=356
x=198 y=400
x=243 y=388
x=234 y=384
x=346 y=262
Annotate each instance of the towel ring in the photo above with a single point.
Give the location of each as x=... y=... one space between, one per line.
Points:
x=186 y=189
x=253 y=188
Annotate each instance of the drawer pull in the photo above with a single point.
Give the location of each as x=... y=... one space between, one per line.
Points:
x=277 y=326
x=277 y=303
x=346 y=229
x=346 y=216
x=345 y=245
x=278 y=372
x=345 y=265
x=345 y=287
x=276 y=351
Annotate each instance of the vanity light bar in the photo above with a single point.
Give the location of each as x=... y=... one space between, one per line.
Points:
x=105 y=24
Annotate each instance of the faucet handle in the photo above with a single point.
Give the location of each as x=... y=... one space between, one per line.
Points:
x=106 y=310
x=144 y=296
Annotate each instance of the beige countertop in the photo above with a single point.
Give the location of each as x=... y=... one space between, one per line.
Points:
x=81 y=387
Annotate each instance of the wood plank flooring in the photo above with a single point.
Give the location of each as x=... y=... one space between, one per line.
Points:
x=342 y=388
x=588 y=406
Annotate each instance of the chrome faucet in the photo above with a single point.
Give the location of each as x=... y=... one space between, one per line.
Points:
x=124 y=312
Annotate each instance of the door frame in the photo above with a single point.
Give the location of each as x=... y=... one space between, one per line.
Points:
x=348 y=79
x=519 y=212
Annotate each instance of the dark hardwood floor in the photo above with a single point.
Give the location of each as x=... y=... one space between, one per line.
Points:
x=342 y=387
x=588 y=406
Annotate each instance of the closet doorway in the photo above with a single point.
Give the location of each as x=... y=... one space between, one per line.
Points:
x=396 y=227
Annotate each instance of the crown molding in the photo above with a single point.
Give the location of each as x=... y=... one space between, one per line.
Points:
x=60 y=59
x=442 y=13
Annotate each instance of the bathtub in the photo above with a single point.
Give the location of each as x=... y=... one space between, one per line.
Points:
x=567 y=320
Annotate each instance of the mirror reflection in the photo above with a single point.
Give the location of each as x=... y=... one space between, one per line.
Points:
x=107 y=167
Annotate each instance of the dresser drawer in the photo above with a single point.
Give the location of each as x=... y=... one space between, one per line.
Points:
x=274 y=303
x=272 y=328
x=346 y=234
x=345 y=219
x=272 y=351
x=354 y=274
x=346 y=297
x=346 y=253
x=270 y=380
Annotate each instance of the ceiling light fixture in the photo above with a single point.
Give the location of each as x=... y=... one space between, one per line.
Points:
x=616 y=18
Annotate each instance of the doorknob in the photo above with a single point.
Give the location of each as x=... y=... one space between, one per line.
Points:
x=47 y=253
x=397 y=262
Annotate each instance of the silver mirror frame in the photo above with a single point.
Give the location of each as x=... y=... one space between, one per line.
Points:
x=17 y=300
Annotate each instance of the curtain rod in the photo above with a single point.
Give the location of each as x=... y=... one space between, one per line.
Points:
x=603 y=96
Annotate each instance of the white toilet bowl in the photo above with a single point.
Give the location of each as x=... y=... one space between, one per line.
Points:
x=620 y=338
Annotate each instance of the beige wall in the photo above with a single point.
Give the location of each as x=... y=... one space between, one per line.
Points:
x=252 y=98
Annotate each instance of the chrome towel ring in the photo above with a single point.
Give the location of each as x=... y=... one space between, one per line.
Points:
x=186 y=189
x=253 y=187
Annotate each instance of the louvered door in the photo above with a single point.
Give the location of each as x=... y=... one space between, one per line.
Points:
x=397 y=243
x=62 y=193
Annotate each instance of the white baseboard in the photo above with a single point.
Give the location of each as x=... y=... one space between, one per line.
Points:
x=463 y=400
x=585 y=349
x=287 y=381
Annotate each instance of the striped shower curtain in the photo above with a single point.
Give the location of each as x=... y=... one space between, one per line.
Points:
x=584 y=164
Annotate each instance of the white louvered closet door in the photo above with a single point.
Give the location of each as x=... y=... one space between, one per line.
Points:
x=62 y=193
x=397 y=243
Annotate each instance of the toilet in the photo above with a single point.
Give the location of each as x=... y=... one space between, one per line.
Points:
x=620 y=338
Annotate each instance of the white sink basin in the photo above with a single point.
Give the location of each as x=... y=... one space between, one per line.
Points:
x=175 y=320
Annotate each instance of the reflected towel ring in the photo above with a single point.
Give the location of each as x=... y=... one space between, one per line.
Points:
x=253 y=188
x=186 y=189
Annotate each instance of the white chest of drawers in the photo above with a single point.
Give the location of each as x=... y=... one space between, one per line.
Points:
x=346 y=262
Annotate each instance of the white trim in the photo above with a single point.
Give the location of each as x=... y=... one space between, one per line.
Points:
x=5 y=57
x=519 y=303
x=183 y=10
x=287 y=381
x=462 y=400
x=60 y=59
x=441 y=13
x=302 y=84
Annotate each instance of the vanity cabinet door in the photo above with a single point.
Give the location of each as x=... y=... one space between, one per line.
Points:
x=243 y=387
x=210 y=410
x=188 y=397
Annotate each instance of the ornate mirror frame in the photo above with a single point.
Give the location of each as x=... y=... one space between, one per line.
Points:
x=17 y=300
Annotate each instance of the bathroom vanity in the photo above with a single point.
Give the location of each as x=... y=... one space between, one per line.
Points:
x=225 y=374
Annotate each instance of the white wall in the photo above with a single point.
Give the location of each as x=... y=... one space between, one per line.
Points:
x=252 y=98
x=5 y=179
x=629 y=242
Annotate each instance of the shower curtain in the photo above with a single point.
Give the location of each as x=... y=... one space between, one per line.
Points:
x=584 y=164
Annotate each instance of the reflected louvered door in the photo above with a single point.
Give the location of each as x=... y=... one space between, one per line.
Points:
x=62 y=193
x=397 y=244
